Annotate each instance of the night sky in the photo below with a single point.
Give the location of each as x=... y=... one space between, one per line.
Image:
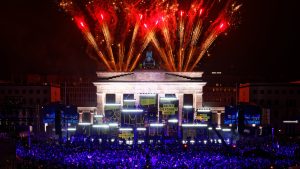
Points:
x=38 y=37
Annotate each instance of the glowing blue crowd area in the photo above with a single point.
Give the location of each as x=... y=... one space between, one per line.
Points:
x=90 y=153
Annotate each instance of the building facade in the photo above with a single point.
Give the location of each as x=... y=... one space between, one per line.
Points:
x=20 y=104
x=282 y=100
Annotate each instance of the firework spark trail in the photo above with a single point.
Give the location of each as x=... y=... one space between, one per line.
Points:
x=93 y=43
x=131 y=48
x=181 y=49
x=195 y=37
x=121 y=55
x=107 y=37
x=166 y=35
x=181 y=41
x=91 y=40
x=205 y=47
x=161 y=52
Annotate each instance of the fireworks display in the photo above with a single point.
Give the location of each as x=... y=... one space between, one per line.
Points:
x=180 y=31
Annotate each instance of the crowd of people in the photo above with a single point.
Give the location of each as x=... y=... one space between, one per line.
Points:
x=88 y=153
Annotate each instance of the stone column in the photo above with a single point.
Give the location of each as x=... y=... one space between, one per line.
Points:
x=180 y=106
x=100 y=103
x=92 y=116
x=197 y=103
x=80 y=117
x=119 y=98
x=219 y=118
x=137 y=99
x=159 y=95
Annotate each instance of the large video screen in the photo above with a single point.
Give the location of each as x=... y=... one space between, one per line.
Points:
x=252 y=115
x=231 y=115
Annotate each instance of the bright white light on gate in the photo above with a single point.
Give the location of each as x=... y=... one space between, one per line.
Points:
x=218 y=128
x=71 y=129
x=168 y=98
x=84 y=124
x=187 y=106
x=98 y=115
x=113 y=124
x=203 y=110
x=125 y=129
x=141 y=129
x=128 y=100
x=253 y=125
x=209 y=128
x=173 y=121
x=100 y=126
x=226 y=129
x=156 y=125
x=194 y=125
x=132 y=110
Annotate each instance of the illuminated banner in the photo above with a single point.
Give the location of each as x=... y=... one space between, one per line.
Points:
x=168 y=109
x=128 y=104
x=112 y=107
x=126 y=135
x=203 y=117
x=145 y=101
